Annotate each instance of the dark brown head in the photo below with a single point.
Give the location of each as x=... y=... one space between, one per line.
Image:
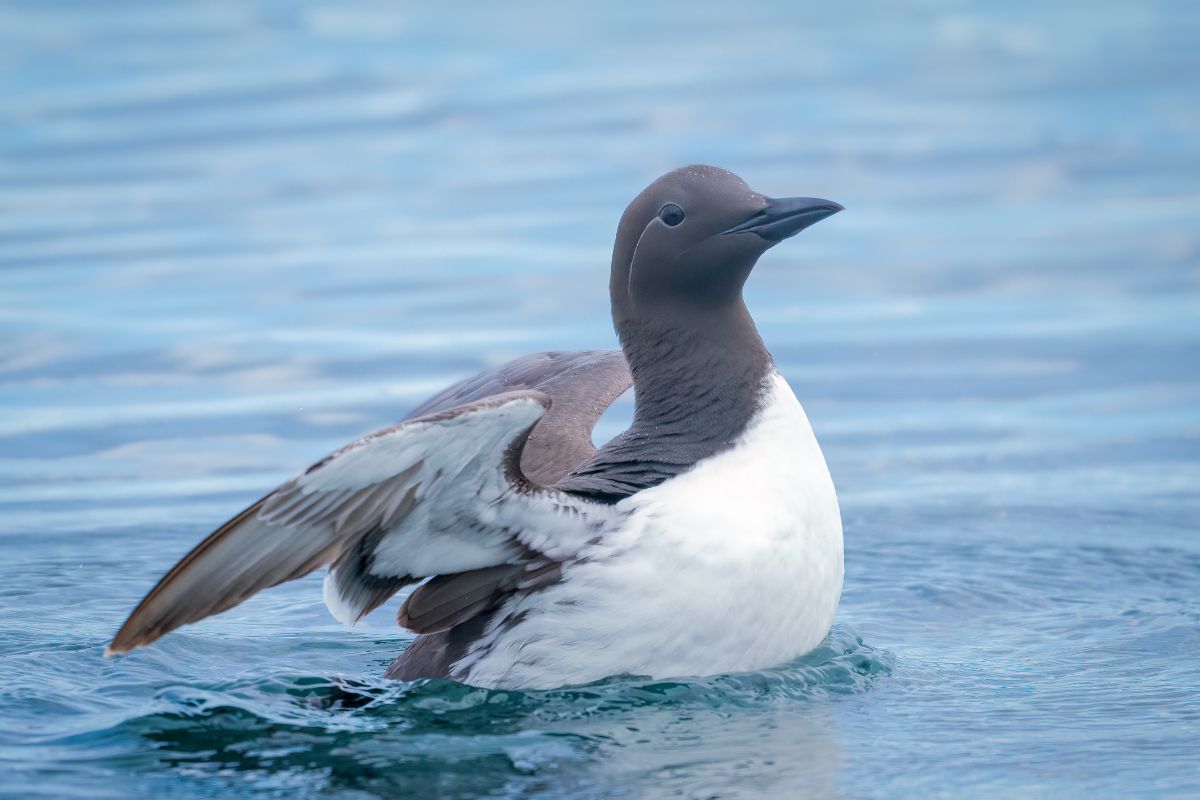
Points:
x=691 y=238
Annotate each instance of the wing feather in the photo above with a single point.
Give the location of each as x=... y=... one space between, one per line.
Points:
x=457 y=491
x=436 y=470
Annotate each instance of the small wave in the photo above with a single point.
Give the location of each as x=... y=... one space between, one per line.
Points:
x=275 y=731
x=842 y=665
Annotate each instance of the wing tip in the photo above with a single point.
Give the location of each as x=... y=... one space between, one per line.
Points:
x=126 y=640
x=118 y=648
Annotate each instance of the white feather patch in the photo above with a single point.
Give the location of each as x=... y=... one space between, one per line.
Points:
x=734 y=565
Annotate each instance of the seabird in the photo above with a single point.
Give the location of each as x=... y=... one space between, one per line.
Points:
x=705 y=539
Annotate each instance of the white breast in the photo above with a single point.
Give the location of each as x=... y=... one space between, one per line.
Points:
x=735 y=565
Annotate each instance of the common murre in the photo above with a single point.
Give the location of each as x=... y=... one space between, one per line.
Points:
x=704 y=539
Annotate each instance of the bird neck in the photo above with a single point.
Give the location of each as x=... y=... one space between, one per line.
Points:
x=699 y=373
x=698 y=381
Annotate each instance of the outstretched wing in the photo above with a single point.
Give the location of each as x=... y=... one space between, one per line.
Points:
x=438 y=494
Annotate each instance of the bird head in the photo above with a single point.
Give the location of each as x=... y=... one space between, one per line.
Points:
x=691 y=238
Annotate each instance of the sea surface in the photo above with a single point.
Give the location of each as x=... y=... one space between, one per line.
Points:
x=235 y=235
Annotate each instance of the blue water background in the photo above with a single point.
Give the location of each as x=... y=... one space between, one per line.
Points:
x=235 y=235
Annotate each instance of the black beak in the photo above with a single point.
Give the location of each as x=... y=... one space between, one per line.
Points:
x=787 y=216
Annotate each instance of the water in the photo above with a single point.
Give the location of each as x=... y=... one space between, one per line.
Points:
x=234 y=236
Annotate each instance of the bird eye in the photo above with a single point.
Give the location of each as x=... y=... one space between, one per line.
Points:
x=671 y=214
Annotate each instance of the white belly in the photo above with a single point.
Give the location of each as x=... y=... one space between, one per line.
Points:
x=735 y=565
